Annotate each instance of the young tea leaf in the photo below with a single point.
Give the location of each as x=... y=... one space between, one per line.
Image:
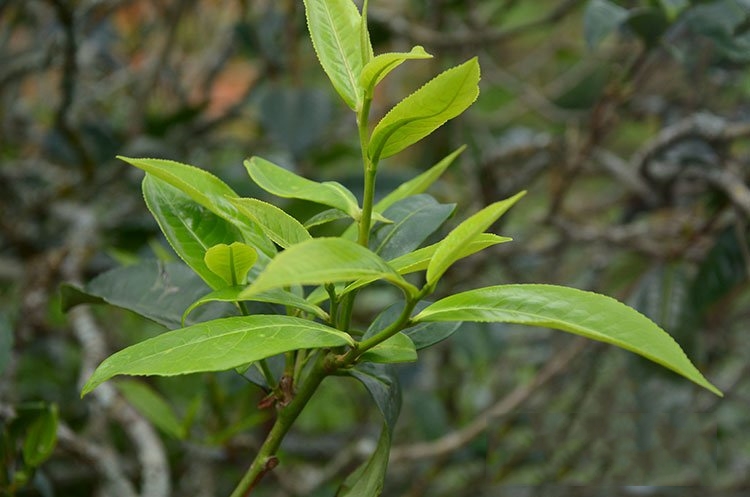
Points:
x=450 y=249
x=420 y=258
x=279 y=226
x=398 y=348
x=379 y=67
x=335 y=29
x=422 y=112
x=231 y=262
x=216 y=346
x=584 y=313
x=324 y=260
x=282 y=183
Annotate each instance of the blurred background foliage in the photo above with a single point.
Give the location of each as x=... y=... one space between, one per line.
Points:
x=628 y=121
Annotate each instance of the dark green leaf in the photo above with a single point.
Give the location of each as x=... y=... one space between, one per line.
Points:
x=6 y=341
x=601 y=18
x=152 y=406
x=414 y=219
x=153 y=289
x=216 y=346
x=41 y=437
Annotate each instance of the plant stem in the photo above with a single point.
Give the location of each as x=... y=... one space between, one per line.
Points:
x=370 y=171
x=266 y=460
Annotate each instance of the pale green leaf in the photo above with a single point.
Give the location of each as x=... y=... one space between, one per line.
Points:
x=282 y=183
x=208 y=191
x=279 y=226
x=364 y=36
x=398 y=348
x=217 y=345
x=335 y=30
x=232 y=294
x=584 y=313
x=153 y=407
x=449 y=250
x=420 y=258
x=379 y=67
x=190 y=228
x=418 y=184
x=443 y=98
x=324 y=260
x=231 y=262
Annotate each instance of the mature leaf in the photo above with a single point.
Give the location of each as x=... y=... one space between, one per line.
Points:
x=584 y=313
x=367 y=480
x=420 y=258
x=414 y=219
x=153 y=407
x=418 y=184
x=422 y=112
x=398 y=348
x=282 y=297
x=324 y=260
x=382 y=384
x=279 y=226
x=41 y=437
x=208 y=191
x=231 y=262
x=324 y=217
x=282 y=183
x=156 y=290
x=379 y=67
x=189 y=227
x=601 y=18
x=335 y=32
x=6 y=342
x=422 y=335
x=449 y=250
x=217 y=346
x=649 y=24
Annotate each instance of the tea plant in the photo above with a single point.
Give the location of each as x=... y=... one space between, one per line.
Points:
x=250 y=251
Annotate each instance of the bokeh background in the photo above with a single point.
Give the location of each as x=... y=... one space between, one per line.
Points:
x=627 y=121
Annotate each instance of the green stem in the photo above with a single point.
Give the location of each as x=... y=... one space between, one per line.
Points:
x=266 y=460
x=370 y=171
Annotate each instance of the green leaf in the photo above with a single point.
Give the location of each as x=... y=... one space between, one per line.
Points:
x=600 y=19
x=6 y=341
x=282 y=297
x=364 y=36
x=208 y=191
x=41 y=437
x=279 y=226
x=335 y=30
x=156 y=290
x=324 y=260
x=398 y=348
x=422 y=112
x=418 y=184
x=367 y=480
x=587 y=314
x=422 y=335
x=153 y=407
x=216 y=346
x=324 y=217
x=420 y=259
x=282 y=183
x=231 y=262
x=379 y=67
x=449 y=250
x=414 y=219
x=190 y=228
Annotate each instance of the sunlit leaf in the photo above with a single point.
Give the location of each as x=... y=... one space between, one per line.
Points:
x=587 y=314
x=231 y=262
x=335 y=30
x=425 y=110
x=279 y=226
x=449 y=250
x=420 y=258
x=379 y=67
x=283 y=183
x=216 y=346
x=398 y=348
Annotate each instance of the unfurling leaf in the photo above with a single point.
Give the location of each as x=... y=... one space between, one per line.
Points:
x=231 y=262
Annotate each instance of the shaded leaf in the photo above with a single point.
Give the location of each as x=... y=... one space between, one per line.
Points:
x=324 y=217
x=6 y=341
x=282 y=183
x=414 y=219
x=449 y=250
x=156 y=290
x=324 y=260
x=41 y=437
x=279 y=226
x=153 y=407
x=443 y=98
x=398 y=348
x=231 y=262
x=600 y=19
x=588 y=314
x=216 y=346
x=334 y=27
x=367 y=480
